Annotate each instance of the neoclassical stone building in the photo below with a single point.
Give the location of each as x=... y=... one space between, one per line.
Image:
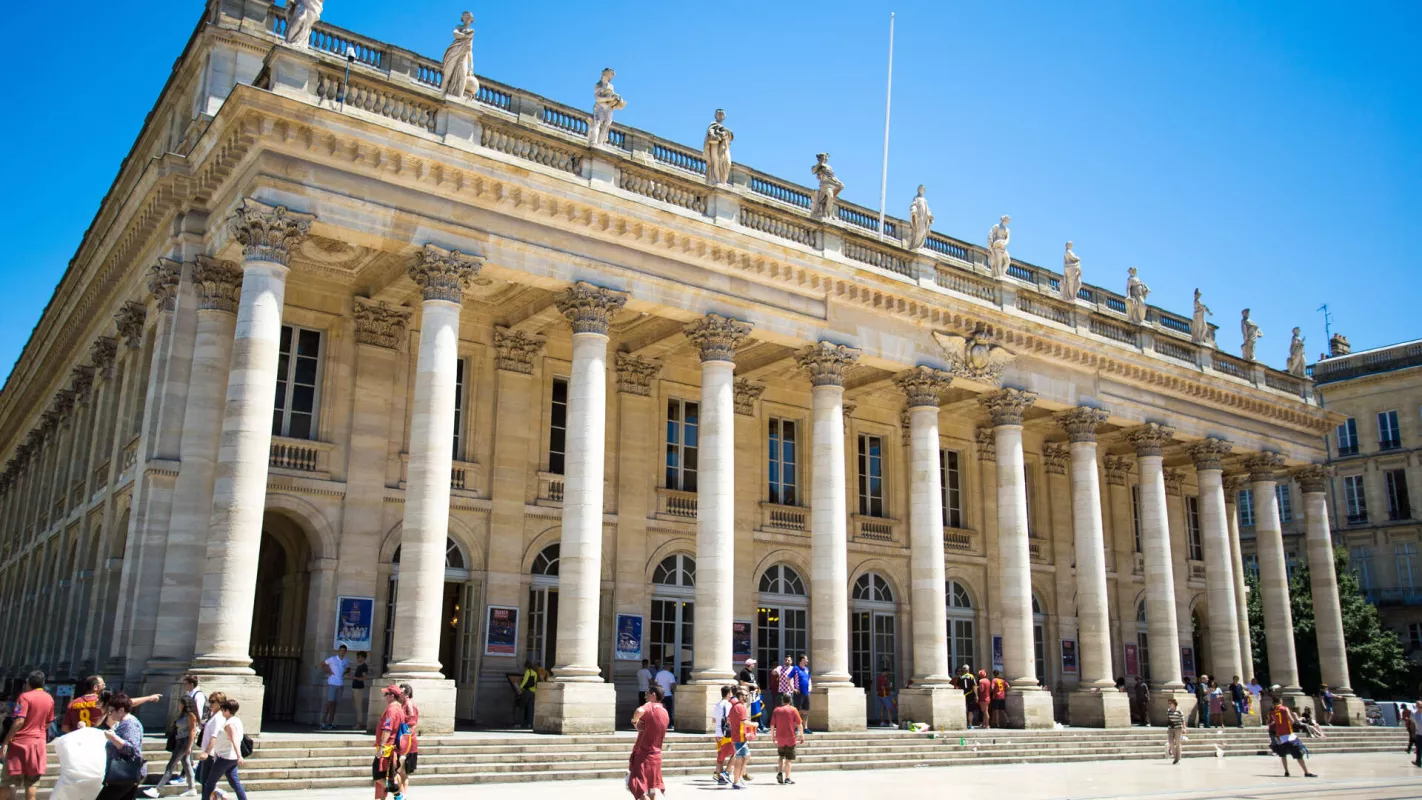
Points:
x=415 y=342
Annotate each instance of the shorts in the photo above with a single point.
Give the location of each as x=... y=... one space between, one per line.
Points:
x=379 y=769
x=740 y=749
x=333 y=693
x=786 y=752
x=802 y=701
x=972 y=701
x=999 y=705
x=25 y=763
x=412 y=761
x=1293 y=748
x=723 y=748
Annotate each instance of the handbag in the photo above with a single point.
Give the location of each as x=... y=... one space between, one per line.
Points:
x=121 y=771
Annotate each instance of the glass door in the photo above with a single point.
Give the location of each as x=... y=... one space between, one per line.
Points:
x=780 y=631
x=671 y=636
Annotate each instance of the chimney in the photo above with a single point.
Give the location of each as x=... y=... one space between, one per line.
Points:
x=1338 y=346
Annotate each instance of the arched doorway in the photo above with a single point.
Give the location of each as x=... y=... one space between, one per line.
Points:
x=279 y=614
x=1039 y=640
x=452 y=610
x=962 y=626
x=673 y=614
x=873 y=627
x=542 y=645
x=781 y=619
x=1199 y=638
x=1143 y=640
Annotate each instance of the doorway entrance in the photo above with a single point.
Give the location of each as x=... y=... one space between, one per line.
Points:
x=279 y=615
x=873 y=633
x=673 y=616
x=781 y=620
x=455 y=621
x=542 y=645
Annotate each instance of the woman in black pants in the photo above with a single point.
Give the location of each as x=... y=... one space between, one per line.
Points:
x=125 y=742
x=225 y=753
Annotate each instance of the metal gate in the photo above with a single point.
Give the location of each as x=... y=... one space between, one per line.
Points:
x=279 y=668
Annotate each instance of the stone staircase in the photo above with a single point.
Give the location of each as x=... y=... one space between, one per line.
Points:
x=317 y=761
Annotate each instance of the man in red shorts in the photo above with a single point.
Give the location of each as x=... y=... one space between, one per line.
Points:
x=24 y=746
x=389 y=744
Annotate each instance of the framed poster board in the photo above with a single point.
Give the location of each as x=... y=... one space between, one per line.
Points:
x=628 y=646
x=1187 y=661
x=1133 y=660
x=355 y=622
x=501 y=632
x=741 y=640
x=997 y=652
x=1069 y=656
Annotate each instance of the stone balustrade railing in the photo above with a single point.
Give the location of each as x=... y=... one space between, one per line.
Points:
x=874 y=529
x=784 y=519
x=128 y=457
x=960 y=541
x=550 y=489
x=674 y=504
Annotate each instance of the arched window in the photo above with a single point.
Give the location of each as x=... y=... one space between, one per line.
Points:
x=541 y=644
x=781 y=579
x=873 y=623
x=677 y=570
x=961 y=624
x=873 y=588
x=672 y=632
x=546 y=562
x=1143 y=640
x=456 y=565
x=1039 y=639
x=782 y=620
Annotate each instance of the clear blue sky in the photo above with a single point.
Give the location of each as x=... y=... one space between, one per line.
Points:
x=1269 y=153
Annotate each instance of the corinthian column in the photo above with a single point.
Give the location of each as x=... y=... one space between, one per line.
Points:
x=267 y=233
x=1165 y=682
x=1027 y=705
x=717 y=338
x=1232 y=485
x=933 y=698
x=1096 y=704
x=1274 y=575
x=1327 y=610
x=836 y=704
x=577 y=700
x=1219 y=573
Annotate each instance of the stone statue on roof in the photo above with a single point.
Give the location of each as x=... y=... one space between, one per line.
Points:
x=605 y=101
x=458 y=63
x=717 y=149
x=1071 y=275
x=1199 y=328
x=920 y=220
x=1251 y=333
x=998 y=257
x=1136 y=294
x=301 y=17
x=1296 y=355
x=826 y=200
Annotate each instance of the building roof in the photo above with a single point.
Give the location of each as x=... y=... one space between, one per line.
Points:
x=1368 y=362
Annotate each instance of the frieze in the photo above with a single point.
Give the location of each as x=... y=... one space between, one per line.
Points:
x=977 y=357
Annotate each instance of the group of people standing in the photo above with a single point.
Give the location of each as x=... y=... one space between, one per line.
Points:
x=397 y=742
x=985 y=699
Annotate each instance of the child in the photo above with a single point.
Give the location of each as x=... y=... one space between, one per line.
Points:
x=788 y=730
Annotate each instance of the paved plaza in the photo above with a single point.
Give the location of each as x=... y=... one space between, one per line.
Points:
x=1343 y=777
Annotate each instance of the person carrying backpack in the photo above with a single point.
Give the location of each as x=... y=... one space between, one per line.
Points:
x=390 y=735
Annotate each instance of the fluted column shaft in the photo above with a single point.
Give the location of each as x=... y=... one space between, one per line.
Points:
x=927 y=573
x=1241 y=600
x=1161 y=620
x=1019 y=663
x=1273 y=573
x=1092 y=600
x=1323 y=576
x=1219 y=575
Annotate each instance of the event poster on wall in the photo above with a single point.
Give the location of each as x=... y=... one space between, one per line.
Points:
x=997 y=652
x=1133 y=661
x=355 y=621
x=1187 y=661
x=740 y=640
x=501 y=632
x=629 y=638
x=1069 y=656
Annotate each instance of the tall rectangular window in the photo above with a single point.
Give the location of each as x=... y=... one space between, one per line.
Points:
x=871 y=475
x=459 y=410
x=1348 y=438
x=1389 y=438
x=784 y=460
x=298 y=375
x=1027 y=491
x=1362 y=560
x=1354 y=500
x=1192 y=528
x=952 y=480
x=1246 y=508
x=683 y=419
x=1291 y=564
x=1251 y=565
x=1405 y=554
x=1286 y=502
x=558 y=427
x=1399 y=505
x=1136 y=514
x=1414 y=635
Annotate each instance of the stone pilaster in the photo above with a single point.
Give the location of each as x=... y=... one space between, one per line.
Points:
x=1232 y=485
x=1327 y=610
x=1219 y=575
x=835 y=703
x=1273 y=574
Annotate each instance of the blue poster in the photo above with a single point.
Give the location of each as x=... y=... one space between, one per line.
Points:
x=997 y=652
x=355 y=620
x=629 y=638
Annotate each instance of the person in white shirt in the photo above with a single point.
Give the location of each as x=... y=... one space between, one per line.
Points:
x=210 y=728
x=336 y=668
x=667 y=681
x=223 y=751
x=723 y=737
x=644 y=680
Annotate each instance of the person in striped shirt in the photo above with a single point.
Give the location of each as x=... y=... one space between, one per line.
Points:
x=1175 y=729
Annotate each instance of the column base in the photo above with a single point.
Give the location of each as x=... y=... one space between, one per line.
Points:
x=1347 y=710
x=837 y=708
x=1100 y=708
x=1030 y=710
x=436 y=698
x=692 y=706
x=575 y=707
x=939 y=706
x=247 y=690
x=1160 y=704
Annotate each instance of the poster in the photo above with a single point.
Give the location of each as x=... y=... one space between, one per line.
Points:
x=1133 y=661
x=997 y=652
x=740 y=640
x=1187 y=661
x=355 y=620
x=501 y=632
x=1069 y=656
x=629 y=638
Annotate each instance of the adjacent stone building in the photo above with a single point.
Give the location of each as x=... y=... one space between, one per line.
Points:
x=348 y=358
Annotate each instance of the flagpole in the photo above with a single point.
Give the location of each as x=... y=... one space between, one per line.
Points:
x=888 y=101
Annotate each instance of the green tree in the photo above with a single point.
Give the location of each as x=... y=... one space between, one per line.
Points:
x=1376 y=664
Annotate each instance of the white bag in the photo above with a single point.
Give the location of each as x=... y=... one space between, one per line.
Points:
x=82 y=761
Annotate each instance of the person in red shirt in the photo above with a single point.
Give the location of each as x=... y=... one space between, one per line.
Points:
x=83 y=711
x=412 y=753
x=998 y=705
x=789 y=730
x=24 y=748
x=884 y=689
x=984 y=698
x=389 y=745
x=1281 y=725
x=736 y=722
x=644 y=768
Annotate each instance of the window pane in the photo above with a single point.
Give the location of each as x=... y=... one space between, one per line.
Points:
x=300 y=426
x=303 y=398
x=309 y=343
x=305 y=370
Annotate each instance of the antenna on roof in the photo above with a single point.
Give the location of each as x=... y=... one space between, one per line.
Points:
x=888 y=100
x=1327 y=321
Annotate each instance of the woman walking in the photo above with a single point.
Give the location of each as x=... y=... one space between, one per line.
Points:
x=124 y=747
x=225 y=752
x=184 y=731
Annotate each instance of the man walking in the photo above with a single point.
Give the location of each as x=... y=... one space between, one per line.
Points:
x=723 y=738
x=1281 y=727
x=737 y=721
x=23 y=748
x=1174 y=730
x=84 y=712
x=802 y=691
x=389 y=745
x=969 y=685
x=337 y=667
x=644 y=680
x=788 y=730
x=1143 y=700
x=667 y=681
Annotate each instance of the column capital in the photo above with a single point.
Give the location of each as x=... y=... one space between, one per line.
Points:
x=589 y=308
x=62 y=404
x=380 y=324
x=922 y=386
x=163 y=279
x=102 y=352
x=848 y=407
x=826 y=362
x=746 y=393
x=635 y=375
x=130 y=319
x=1118 y=469
x=1174 y=481
x=717 y=337
x=1055 y=457
x=1208 y=453
x=1081 y=423
x=268 y=233
x=515 y=350
x=1006 y=406
x=1232 y=485
x=218 y=284
x=81 y=382
x=1150 y=439
x=1262 y=466
x=987 y=444
x=444 y=274
x=1313 y=478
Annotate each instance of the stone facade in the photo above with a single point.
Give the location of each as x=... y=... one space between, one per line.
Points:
x=474 y=371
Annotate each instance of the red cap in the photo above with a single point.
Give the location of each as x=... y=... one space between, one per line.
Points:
x=395 y=690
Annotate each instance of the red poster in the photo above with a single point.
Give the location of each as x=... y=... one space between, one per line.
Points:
x=1133 y=661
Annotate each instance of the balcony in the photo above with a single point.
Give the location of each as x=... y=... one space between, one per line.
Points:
x=784 y=519
x=1197 y=570
x=550 y=490
x=1349 y=450
x=956 y=540
x=1360 y=518
x=1399 y=513
x=1138 y=567
x=1394 y=597
x=1036 y=552
x=676 y=505
x=873 y=529
x=300 y=457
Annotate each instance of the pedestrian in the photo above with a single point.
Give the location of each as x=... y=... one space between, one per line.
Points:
x=746 y=677
x=737 y=721
x=412 y=739
x=1174 y=730
x=1416 y=733
x=83 y=711
x=1202 y=700
x=802 y=691
x=24 y=750
x=1216 y=695
x=644 y=768
x=337 y=668
x=389 y=745
x=719 y=713
x=665 y=679
x=226 y=753
x=210 y=729
x=1143 y=700
x=527 y=693
x=644 y=680
x=360 y=691
x=997 y=709
x=1238 y=695
x=969 y=686
x=784 y=678
x=124 y=747
x=182 y=735
x=884 y=690
x=788 y=730
x=193 y=693
x=1281 y=728
x=1325 y=699
x=1256 y=695
x=1120 y=684
x=1410 y=723
x=1309 y=726
x=984 y=695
